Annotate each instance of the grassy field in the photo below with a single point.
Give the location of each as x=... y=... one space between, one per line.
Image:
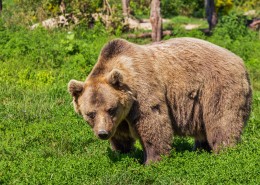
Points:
x=42 y=140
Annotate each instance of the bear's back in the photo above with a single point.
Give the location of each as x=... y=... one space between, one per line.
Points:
x=190 y=59
x=175 y=61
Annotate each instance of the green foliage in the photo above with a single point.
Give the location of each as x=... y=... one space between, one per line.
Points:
x=42 y=140
x=179 y=7
x=246 y=5
x=223 y=6
x=232 y=33
x=140 y=8
x=84 y=6
x=48 y=49
x=28 y=12
x=169 y=8
x=232 y=26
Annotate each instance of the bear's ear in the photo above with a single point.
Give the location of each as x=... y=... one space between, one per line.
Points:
x=115 y=78
x=75 y=88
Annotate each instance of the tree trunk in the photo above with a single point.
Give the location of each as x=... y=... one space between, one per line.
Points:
x=62 y=7
x=211 y=14
x=1 y=6
x=107 y=7
x=156 y=20
x=126 y=9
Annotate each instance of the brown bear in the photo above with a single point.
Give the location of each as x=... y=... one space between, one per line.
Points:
x=183 y=86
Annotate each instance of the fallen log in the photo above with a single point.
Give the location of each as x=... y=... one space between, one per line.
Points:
x=255 y=24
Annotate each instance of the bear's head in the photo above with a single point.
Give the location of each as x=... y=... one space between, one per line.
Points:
x=103 y=102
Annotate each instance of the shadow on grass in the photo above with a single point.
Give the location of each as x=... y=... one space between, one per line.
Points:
x=180 y=145
x=117 y=156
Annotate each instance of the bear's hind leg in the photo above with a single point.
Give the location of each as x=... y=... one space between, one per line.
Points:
x=122 y=140
x=226 y=114
x=220 y=137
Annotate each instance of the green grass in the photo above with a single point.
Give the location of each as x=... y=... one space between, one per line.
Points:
x=182 y=20
x=43 y=141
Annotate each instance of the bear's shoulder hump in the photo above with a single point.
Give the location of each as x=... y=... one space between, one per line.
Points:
x=114 y=48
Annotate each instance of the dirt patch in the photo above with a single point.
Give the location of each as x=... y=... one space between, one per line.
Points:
x=191 y=26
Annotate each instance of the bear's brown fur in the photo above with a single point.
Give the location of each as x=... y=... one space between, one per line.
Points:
x=183 y=86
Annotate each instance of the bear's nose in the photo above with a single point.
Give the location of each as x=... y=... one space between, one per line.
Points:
x=102 y=134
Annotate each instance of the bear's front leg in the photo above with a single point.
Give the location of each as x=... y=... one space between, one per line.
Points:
x=155 y=133
x=122 y=140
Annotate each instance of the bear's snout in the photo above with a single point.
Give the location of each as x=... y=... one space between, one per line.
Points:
x=103 y=134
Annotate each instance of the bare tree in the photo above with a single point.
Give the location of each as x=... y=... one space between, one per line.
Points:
x=156 y=20
x=211 y=14
x=107 y=7
x=1 y=6
x=126 y=9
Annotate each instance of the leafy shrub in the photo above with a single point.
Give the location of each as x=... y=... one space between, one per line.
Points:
x=246 y=5
x=140 y=8
x=171 y=8
x=223 y=6
x=232 y=26
x=31 y=11
x=48 y=48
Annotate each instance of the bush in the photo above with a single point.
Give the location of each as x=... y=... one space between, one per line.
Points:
x=232 y=26
x=32 y=11
x=171 y=8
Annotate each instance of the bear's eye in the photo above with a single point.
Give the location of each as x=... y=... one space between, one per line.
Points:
x=112 y=111
x=91 y=115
